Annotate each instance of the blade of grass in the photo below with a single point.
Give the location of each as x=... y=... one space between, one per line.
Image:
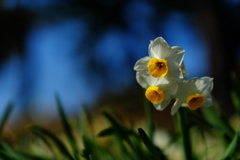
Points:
x=123 y=134
x=173 y=140
x=199 y=119
x=236 y=101
x=157 y=154
x=8 y=152
x=184 y=133
x=45 y=141
x=136 y=141
x=58 y=143
x=232 y=147
x=86 y=120
x=106 y=132
x=118 y=129
x=235 y=94
x=5 y=117
x=4 y=155
x=92 y=151
x=235 y=83
x=29 y=156
x=215 y=118
x=88 y=151
x=67 y=128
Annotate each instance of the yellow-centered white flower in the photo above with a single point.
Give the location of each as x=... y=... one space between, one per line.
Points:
x=193 y=94
x=163 y=60
x=159 y=91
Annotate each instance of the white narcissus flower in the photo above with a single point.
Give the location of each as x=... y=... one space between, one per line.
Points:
x=193 y=94
x=159 y=91
x=163 y=60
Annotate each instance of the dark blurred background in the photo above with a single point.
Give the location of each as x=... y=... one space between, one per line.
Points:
x=85 y=50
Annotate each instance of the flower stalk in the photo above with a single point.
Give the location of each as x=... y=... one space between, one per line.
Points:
x=184 y=133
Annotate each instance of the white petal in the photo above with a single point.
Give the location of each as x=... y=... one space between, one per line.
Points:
x=176 y=106
x=181 y=76
x=207 y=101
x=192 y=80
x=183 y=90
x=145 y=80
x=177 y=58
x=174 y=71
x=141 y=65
x=162 y=82
x=186 y=88
x=173 y=88
x=174 y=63
x=151 y=52
x=161 y=106
x=142 y=80
x=159 y=48
x=177 y=49
x=190 y=87
x=184 y=104
x=170 y=88
x=205 y=85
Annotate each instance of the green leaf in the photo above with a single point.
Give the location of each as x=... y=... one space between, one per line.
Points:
x=236 y=101
x=216 y=119
x=150 y=146
x=106 y=132
x=88 y=148
x=67 y=128
x=235 y=83
x=232 y=147
x=44 y=140
x=58 y=143
x=123 y=134
x=29 y=156
x=8 y=153
x=173 y=140
x=92 y=151
x=199 y=119
x=235 y=94
x=116 y=127
x=5 y=117
x=4 y=155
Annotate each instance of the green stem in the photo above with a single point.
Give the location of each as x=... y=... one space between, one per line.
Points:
x=184 y=131
x=149 y=120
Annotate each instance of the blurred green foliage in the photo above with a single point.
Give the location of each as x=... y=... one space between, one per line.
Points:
x=202 y=134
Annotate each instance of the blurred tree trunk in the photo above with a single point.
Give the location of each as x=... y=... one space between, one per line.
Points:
x=220 y=25
x=13 y=29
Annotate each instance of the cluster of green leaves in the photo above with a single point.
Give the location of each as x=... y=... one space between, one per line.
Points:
x=132 y=143
x=129 y=144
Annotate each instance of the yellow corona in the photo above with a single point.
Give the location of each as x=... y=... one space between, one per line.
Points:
x=158 y=67
x=154 y=94
x=194 y=101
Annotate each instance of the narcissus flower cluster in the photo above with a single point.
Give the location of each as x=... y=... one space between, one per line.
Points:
x=162 y=76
